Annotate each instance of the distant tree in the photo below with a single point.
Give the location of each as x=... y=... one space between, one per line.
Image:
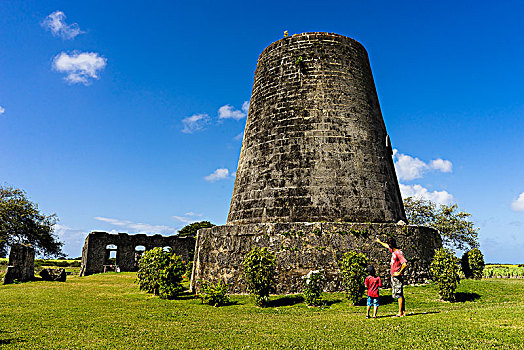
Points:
x=191 y=229
x=454 y=226
x=22 y=222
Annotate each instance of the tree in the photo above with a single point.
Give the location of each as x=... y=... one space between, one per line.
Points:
x=444 y=271
x=259 y=267
x=160 y=273
x=22 y=222
x=191 y=229
x=454 y=226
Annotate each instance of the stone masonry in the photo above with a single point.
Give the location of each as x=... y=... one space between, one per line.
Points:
x=315 y=146
x=95 y=253
x=315 y=177
x=21 y=264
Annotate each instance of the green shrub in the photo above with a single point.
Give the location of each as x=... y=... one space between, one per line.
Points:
x=160 y=273
x=259 y=274
x=214 y=293
x=353 y=270
x=444 y=271
x=476 y=263
x=75 y=264
x=313 y=284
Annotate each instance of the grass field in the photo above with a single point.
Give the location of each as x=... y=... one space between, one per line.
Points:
x=107 y=311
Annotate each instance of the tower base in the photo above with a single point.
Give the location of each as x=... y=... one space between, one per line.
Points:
x=301 y=247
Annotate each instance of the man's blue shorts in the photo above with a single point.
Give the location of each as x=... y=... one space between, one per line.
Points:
x=372 y=301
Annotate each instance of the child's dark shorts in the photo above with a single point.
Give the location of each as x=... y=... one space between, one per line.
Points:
x=372 y=301
x=397 y=284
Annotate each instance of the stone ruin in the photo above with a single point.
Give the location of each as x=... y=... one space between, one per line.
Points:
x=21 y=264
x=98 y=248
x=315 y=177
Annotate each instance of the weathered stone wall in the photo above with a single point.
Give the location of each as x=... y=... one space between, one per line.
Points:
x=21 y=264
x=301 y=247
x=315 y=146
x=95 y=254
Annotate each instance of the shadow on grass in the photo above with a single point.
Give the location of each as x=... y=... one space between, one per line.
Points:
x=461 y=297
x=286 y=300
x=331 y=302
x=10 y=340
x=185 y=295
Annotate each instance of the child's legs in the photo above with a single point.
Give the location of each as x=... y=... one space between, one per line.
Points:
x=368 y=308
x=375 y=308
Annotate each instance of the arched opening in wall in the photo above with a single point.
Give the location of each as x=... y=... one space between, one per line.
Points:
x=139 y=250
x=111 y=258
x=167 y=249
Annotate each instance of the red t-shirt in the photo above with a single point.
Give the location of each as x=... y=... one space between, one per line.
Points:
x=372 y=284
x=397 y=259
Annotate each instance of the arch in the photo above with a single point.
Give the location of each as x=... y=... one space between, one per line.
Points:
x=167 y=249
x=140 y=248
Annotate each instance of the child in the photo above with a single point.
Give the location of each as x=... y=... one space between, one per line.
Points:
x=372 y=283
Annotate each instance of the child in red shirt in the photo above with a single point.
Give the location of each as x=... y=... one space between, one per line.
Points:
x=372 y=283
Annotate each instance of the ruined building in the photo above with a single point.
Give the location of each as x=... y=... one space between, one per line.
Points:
x=315 y=176
x=104 y=251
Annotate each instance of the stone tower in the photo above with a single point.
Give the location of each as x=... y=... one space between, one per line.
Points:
x=315 y=146
x=315 y=177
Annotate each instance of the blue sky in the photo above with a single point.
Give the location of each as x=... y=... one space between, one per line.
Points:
x=127 y=116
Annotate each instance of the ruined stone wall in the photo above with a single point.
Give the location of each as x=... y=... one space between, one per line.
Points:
x=315 y=146
x=301 y=247
x=95 y=254
x=21 y=264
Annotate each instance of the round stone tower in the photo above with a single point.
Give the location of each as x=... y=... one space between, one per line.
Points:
x=315 y=178
x=315 y=146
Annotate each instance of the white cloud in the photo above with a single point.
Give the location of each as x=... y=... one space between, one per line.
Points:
x=228 y=112
x=137 y=227
x=219 y=174
x=2 y=110
x=194 y=123
x=192 y=214
x=72 y=238
x=410 y=168
x=55 y=22
x=80 y=67
x=245 y=106
x=518 y=204
x=183 y=219
x=439 y=197
x=440 y=164
x=239 y=136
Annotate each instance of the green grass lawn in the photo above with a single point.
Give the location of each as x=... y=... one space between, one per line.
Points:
x=107 y=311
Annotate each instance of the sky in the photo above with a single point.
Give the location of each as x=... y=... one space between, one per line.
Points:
x=127 y=116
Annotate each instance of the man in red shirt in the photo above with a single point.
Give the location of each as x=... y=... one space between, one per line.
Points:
x=398 y=264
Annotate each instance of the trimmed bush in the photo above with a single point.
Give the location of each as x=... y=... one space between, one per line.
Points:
x=444 y=271
x=259 y=274
x=313 y=284
x=353 y=270
x=473 y=264
x=160 y=273
x=214 y=294
x=476 y=263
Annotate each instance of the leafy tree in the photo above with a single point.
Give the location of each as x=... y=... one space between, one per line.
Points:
x=22 y=222
x=455 y=228
x=444 y=271
x=473 y=264
x=353 y=270
x=160 y=273
x=191 y=229
x=259 y=273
